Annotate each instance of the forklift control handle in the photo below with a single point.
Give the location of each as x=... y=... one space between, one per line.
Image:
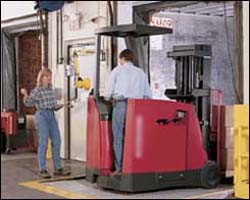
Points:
x=167 y=121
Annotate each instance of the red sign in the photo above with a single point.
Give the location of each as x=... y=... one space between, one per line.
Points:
x=161 y=22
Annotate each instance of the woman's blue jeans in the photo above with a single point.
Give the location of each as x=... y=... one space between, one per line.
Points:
x=47 y=127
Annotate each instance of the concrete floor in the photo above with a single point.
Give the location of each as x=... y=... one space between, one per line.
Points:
x=22 y=167
x=19 y=180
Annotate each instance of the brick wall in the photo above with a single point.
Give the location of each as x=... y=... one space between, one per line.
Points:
x=29 y=60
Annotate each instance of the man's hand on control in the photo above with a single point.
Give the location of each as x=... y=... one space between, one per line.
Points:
x=59 y=106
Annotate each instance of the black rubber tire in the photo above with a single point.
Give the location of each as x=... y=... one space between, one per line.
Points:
x=3 y=142
x=210 y=175
x=91 y=176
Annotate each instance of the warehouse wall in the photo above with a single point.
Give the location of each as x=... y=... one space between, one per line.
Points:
x=194 y=29
x=124 y=16
x=12 y=9
x=17 y=21
x=188 y=29
x=93 y=15
x=246 y=50
x=29 y=64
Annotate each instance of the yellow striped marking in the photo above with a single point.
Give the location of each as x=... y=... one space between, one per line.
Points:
x=37 y=185
x=208 y=194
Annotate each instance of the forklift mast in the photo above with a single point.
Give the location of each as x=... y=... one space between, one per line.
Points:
x=192 y=79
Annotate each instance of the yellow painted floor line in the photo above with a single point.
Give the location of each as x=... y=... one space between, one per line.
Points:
x=208 y=194
x=37 y=185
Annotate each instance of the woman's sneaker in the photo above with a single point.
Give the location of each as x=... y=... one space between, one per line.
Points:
x=61 y=172
x=44 y=174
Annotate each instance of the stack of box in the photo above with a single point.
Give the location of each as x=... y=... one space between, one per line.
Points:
x=31 y=132
x=227 y=140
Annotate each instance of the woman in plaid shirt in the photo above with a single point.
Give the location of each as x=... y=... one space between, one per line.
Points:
x=44 y=98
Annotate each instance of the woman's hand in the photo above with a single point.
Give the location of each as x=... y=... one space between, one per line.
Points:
x=24 y=92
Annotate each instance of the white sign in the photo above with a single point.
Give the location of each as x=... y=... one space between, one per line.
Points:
x=75 y=21
x=156 y=42
x=161 y=22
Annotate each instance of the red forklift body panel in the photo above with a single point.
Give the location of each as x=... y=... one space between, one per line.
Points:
x=106 y=147
x=99 y=140
x=93 y=136
x=196 y=153
x=149 y=145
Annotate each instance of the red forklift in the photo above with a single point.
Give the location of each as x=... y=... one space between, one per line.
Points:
x=164 y=141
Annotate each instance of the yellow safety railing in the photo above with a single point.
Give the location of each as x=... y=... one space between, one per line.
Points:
x=241 y=151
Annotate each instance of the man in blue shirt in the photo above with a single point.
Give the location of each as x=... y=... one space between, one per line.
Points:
x=126 y=81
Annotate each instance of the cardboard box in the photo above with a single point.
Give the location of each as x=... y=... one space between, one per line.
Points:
x=227 y=137
x=227 y=159
x=30 y=122
x=227 y=116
